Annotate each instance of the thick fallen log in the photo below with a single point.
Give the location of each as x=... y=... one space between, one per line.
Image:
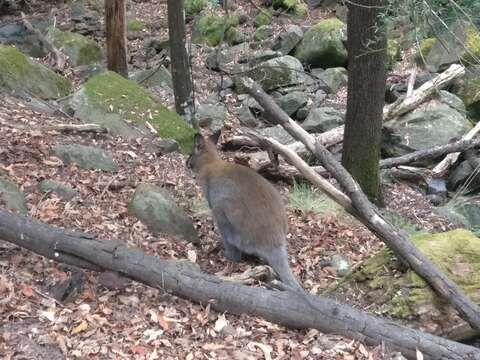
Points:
x=367 y=212
x=431 y=153
x=420 y=95
x=184 y=279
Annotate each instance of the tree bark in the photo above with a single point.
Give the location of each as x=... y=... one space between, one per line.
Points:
x=181 y=76
x=369 y=215
x=185 y=280
x=116 y=32
x=366 y=46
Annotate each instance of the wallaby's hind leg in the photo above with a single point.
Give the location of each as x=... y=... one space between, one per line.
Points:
x=232 y=252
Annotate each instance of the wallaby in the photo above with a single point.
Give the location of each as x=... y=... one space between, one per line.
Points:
x=248 y=210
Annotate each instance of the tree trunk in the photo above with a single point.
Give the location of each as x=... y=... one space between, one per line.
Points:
x=184 y=279
x=366 y=93
x=181 y=76
x=116 y=31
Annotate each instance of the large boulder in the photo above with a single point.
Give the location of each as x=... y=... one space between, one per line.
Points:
x=156 y=208
x=292 y=101
x=390 y=288
x=86 y=157
x=468 y=89
x=463 y=211
x=224 y=59
x=79 y=49
x=323 y=119
x=287 y=40
x=323 y=45
x=276 y=73
x=461 y=42
x=211 y=116
x=212 y=29
x=116 y=103
x=430 y=124
x=12 y=197
x=23 y=76
x=333 y=79
x=154 y=77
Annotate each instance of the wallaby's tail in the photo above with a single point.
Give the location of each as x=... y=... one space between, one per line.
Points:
x=278 y=260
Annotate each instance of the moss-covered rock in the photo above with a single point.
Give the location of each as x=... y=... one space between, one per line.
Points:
x=263 y=18
x=234 y=37
x=64 y=191
x=110 y=97
x=322 y=45
x=79 y=49
x=135 y=25
x=401 y=293
x=263 y=33
x=394 y=53
x=24 y=76
x=193 y=7
x=468 y=89
x=423 y=50
x=209 y=29
x=461 y=42
x=296 y=7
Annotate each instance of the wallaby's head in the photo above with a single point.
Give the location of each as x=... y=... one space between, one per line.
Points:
x=204 y=151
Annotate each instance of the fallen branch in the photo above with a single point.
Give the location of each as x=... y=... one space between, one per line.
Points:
x=59 y=57
x=434 y=152
x=75 y=128
x=418 y=96
x=365 y=211
x=184 y=279
x=450 y=159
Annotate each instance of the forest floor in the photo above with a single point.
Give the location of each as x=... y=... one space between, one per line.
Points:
x=139 y=322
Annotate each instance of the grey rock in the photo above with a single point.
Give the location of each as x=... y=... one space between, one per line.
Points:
x=155 y=77
x=302 y=113
x=263 y=33
x=256 y=57
x=465 y=175
x=437 y=186
x=156 y=208
x=11 y=195
x=275 y=73
x=462 y=211
x=432 y=123
x=323 y=45
x=333 y=78
x=222 y=59
x=211 y=116
x=452 y=100
x=278 y=133
x=87 y=157
x=341 y=264
x=63 y=190
x=291 y=102
x=286 y=41
x=320 y=96
x=85 y=72
x=246 y=117
x=323 y=119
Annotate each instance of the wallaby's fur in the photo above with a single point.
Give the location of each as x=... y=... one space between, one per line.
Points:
x=247 y=209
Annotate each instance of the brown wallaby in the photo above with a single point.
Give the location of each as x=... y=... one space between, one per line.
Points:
x=247 y=209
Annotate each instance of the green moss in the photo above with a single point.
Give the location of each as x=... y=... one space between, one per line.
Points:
x=209 y=29
x=18 y=73
x=399 y=307
x=472 y=45
x=300 y=10
x=135 y=25
x=328 y=25
x=193 y=7
x=263 y=18
x=393 y=52
x=113 y=93
x=284 y=4
x=424 y=48
x=79 y=49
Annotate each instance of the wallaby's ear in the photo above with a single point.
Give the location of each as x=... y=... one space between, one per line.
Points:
x=215 y=136
x=198 y=142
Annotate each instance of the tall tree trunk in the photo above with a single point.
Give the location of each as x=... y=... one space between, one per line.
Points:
x=366 y=93
x=116 y=31
x=181 y=76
